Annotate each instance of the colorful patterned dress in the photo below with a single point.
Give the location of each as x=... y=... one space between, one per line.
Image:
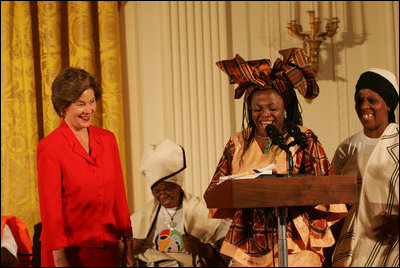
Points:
x=252 y=237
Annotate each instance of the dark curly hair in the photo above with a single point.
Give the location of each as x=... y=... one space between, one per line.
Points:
x=69 y=85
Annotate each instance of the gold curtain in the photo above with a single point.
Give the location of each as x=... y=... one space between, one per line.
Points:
x=38 y=39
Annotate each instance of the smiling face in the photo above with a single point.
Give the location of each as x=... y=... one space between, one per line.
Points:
x=78 y=114
x=372 y=111
x=167 y=193
x=267 y=107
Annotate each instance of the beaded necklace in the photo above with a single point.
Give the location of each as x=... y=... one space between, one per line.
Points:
x=269 y=142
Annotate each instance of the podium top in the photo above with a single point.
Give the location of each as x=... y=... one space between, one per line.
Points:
x=273 y=191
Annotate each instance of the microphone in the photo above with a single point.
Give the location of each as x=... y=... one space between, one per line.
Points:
x=299 y=137
x=276 y=136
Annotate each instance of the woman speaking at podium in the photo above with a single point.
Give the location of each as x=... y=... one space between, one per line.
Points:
x=270 y=98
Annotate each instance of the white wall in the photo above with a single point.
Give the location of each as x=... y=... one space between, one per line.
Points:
x=173 y=89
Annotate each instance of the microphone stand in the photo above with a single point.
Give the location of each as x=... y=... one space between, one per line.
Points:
x=282 y=214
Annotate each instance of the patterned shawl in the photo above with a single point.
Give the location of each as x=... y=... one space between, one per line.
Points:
x=293 y=71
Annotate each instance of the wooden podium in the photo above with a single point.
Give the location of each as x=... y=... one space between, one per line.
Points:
x=281 y=192
x=273 y=191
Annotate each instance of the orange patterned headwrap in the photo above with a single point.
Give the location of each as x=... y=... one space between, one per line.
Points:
x=293 y=71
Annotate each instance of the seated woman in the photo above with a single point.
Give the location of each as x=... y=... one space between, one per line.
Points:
x=174 y=228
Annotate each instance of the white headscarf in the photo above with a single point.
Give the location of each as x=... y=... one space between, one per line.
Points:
x=163 y=162
x=388 y=75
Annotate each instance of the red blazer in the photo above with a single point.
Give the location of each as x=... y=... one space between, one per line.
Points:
x=82 y=197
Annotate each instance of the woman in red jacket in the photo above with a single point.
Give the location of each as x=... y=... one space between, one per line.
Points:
x=83 y=203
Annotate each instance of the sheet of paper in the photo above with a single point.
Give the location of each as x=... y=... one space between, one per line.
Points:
x=249 y=174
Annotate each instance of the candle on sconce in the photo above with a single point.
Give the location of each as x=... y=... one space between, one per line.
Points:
x=313 y=39
x=293 y=10
x=334 y=9
x=290 y=10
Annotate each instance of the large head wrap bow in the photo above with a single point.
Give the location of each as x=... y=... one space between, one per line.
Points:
x=293 y=71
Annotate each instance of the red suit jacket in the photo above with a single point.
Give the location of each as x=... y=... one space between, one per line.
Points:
x=82 y=197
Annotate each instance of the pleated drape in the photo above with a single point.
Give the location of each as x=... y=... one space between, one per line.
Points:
x=199 y=116
x=49 y=18
x=110 y=63
x=19 y=128
x=38 y=39
x=81 y=43
x=176 y=90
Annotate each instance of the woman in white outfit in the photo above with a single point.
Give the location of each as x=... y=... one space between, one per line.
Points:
x=370 y=234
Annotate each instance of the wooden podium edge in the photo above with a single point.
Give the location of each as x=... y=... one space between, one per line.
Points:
x=274 y=191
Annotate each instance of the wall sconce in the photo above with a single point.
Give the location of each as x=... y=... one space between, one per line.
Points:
x=312 y=40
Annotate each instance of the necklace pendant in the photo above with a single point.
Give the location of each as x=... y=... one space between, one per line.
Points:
x=268 y=147
x=172 y=225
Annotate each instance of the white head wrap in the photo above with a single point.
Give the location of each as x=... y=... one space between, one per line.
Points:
x=163 y=162
x=388 y=75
